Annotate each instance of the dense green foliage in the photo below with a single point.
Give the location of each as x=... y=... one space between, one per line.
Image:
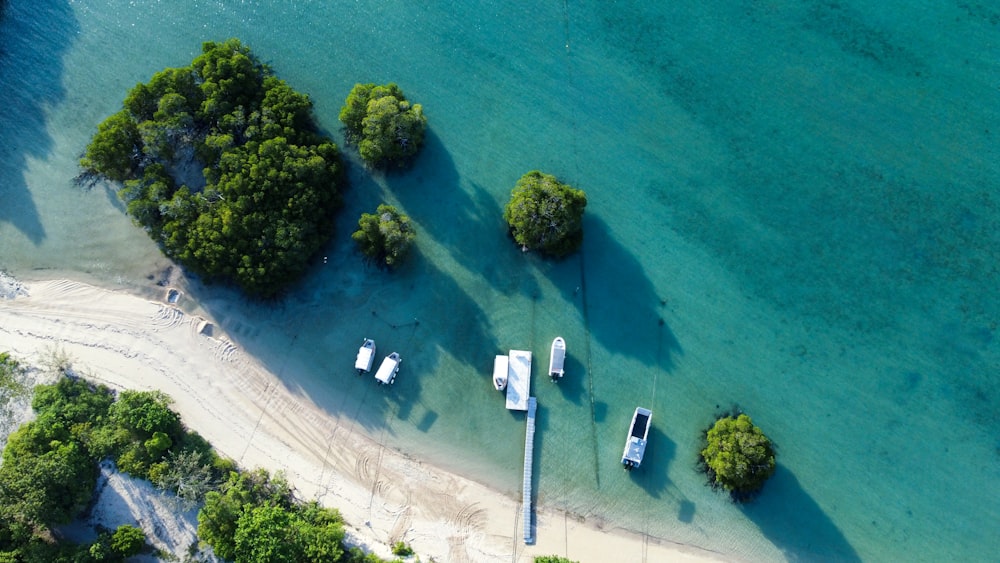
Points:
x=384 y=236
x=50 y=469
x=270 y=180
x=117 y=546
x=386 y=127
x=401 y=549
x=253 y=517
x=50 y=465
x=738 y=456
x=546 y=215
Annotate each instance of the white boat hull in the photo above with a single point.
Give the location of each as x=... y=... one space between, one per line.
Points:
x=638 y=432
x=501 y=364
x=557 y=358
x=366 y=356
x=386 y=373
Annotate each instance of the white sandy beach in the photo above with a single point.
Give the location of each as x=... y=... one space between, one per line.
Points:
x=247 y=413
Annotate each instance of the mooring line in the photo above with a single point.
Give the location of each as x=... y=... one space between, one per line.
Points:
x=590 y=367
x=656 y=369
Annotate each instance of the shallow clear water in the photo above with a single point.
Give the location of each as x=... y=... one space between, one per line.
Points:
x=793 y=208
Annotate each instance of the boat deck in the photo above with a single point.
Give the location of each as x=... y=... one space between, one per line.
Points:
x=518 y=380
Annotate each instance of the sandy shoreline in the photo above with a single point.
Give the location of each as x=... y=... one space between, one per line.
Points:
x=247 y=413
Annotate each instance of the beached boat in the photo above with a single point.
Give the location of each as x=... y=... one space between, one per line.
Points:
x=366 y=355
x=635 y=444
x=557 y=357
x=386 y=373
x=500 y=366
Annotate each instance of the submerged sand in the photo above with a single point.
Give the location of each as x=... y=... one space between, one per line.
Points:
x=248 y=414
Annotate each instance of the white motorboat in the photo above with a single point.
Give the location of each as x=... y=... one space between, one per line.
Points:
x=635 y=444
x=386 y=373
x=500 y=366
x=557 y=358
x=366 y=355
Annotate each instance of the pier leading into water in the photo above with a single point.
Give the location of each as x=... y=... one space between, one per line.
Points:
x=529 y=454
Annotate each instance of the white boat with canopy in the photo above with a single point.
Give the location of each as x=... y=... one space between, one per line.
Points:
x=635 y=444
x=386 y=373
x=365 y=357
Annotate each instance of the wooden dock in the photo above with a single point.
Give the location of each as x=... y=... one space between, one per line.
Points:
x=529 y=456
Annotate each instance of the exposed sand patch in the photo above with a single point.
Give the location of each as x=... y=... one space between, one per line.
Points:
x=124 y=500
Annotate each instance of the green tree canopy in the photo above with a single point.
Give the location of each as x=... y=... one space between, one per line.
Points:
x=384 y=236
x=253 y=517
x=738 y=456
x=222 y=164
x=127 y=541
x=385 y=125
x=546 y=215
x=45 y=477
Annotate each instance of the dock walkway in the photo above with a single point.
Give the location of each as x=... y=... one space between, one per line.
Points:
x=518 y=380
x=529 y=455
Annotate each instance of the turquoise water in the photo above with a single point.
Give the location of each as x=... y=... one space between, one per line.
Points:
x=793 y=208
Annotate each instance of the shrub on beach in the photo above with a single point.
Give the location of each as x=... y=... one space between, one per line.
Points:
x=387 y=128
x=546 y=215
x=738 y=456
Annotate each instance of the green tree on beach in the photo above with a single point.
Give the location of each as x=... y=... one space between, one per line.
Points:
x=546 y=215
x=384 y=236
x=222 y=164
x=254 y=517
x=738 y=456
x=387 y=128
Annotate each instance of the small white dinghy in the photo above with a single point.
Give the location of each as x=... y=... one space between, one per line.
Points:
x=366 y=355
x=500 y=366
x=386 y=373
x=557 y=358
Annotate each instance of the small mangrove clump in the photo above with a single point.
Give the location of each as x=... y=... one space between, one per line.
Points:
x=384 y=236
x=386 y=127
x=546 y=215
x=738 y=457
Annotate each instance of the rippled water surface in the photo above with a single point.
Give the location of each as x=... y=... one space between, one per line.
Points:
x=793 y=208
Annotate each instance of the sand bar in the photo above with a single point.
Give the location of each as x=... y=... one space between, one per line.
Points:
x=130 y=342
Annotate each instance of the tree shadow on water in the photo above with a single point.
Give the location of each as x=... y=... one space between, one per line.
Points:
x=417 y=310
x=793 y=522
x=460 y=215
x=34 y=36
x=622 y=308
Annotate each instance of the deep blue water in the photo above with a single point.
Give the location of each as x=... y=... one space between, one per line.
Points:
x=793 y=208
